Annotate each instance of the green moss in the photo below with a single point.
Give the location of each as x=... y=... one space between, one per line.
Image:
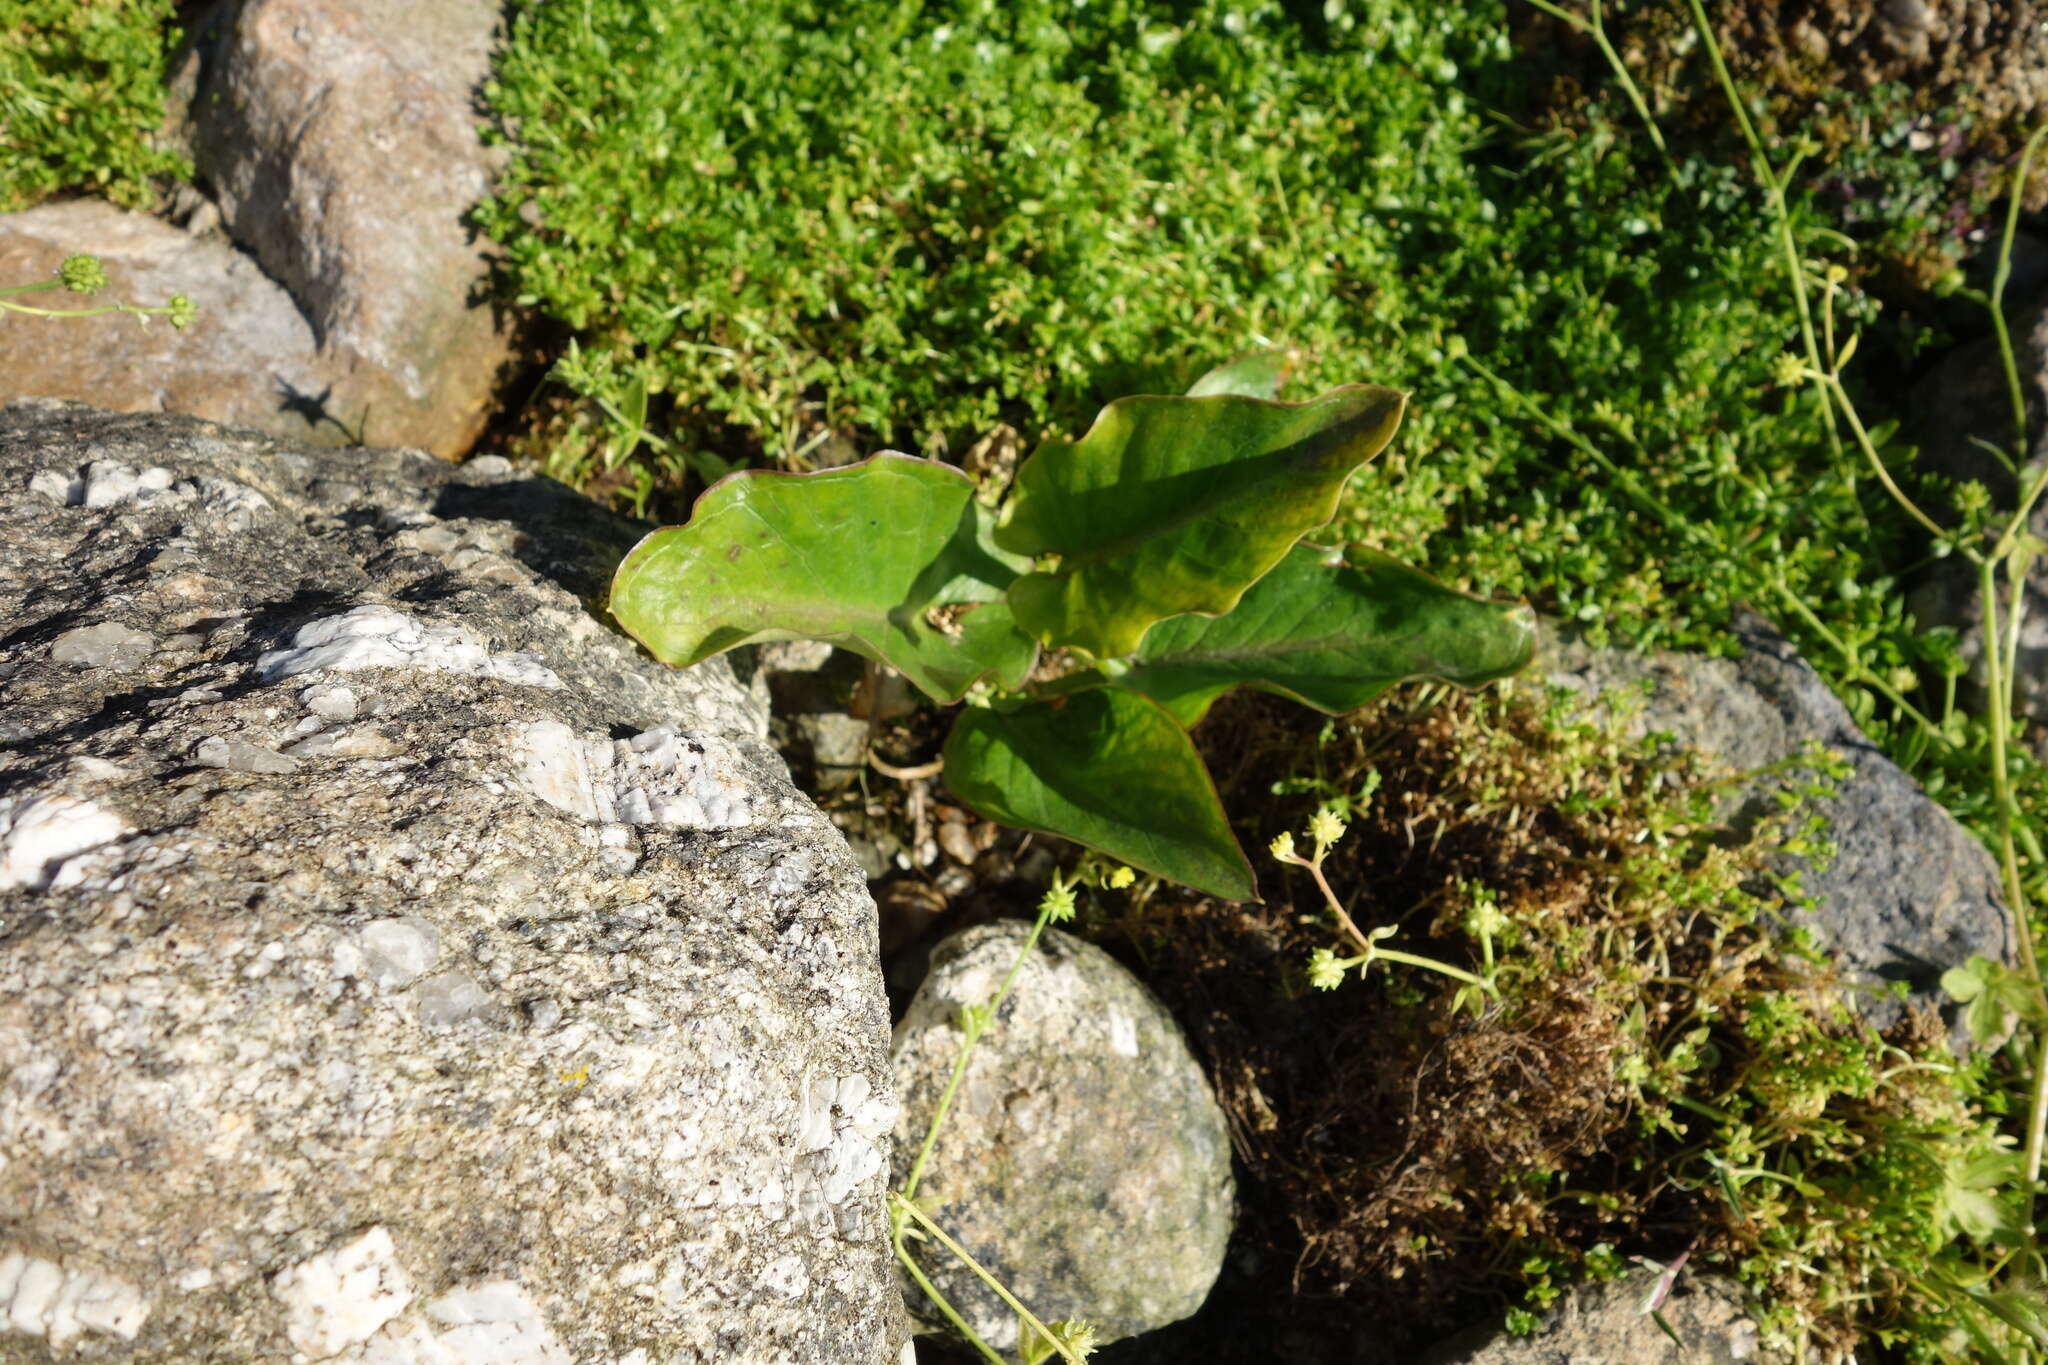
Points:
x=903 y=223
x=81 y=95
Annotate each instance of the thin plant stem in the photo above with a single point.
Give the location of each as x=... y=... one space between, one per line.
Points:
x=1430 y=964
x=1999 y=654
x=1590 y=24
x=938 y=1234
x=1863 y=675
x=903 y=1209
x=145 y=313
x=1998 y=282
x=1840 y=395
x=1774 y=191
x=995 y=1004
x=2017 y=525
x=945 y=1306
x=1368 y=945
x=1315 y=869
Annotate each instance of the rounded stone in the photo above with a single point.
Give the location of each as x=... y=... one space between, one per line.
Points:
x=1084 y=1160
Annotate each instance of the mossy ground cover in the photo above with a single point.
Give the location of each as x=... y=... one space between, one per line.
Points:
x=804 y=229
x=1661 y=1074
x=81 y=98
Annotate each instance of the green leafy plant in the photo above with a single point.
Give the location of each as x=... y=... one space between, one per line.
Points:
x=1130 y=579
x=1326 y=970
x=81 y=96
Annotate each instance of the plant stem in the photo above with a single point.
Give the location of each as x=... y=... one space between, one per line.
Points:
x=1431 y=964
x=931 y=1133
x=1869 y=679
x=901 y=1202
x=1833 y=388
x=1315 y=869
x=1593 y=28
x=938 y=1234
x=1774 y=192
x=945 y=1305
x=1998 y=281
x=13 y=307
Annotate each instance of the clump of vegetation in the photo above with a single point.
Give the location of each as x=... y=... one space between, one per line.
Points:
x=81 y=99
x=1652 y=1072
x=1914 y=128
x=909 y=222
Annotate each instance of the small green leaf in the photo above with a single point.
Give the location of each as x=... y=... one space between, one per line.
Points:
x=857 y=556
x=1110 y=770
x=1172 y=505
x=1261 y=374
x=1985 y=1017
x=1332 y=629
x=1963 y=984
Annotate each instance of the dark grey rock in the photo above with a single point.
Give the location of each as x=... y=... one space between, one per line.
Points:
x=403 y=969
x=1908 y=894
x=1965 y=400
x=1949 y=595
x=1084 y=1161
x=1603 y=1324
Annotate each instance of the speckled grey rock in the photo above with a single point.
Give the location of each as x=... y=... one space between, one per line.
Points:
x=1084 y=1161
x=1603 y=1324
x=1909 y=893
x=396 y=966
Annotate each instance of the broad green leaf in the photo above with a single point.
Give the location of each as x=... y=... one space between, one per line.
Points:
x=1260 y=374
x=858 y=556
x=1963 y=984
x=1173 y=505
x=1110 y=770
x=1332 y=629
x=1986 y=1018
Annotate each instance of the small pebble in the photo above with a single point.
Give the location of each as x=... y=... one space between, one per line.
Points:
x=958 y=842
x=451 y=998
x=397 y=952
x=100 y=770
x=66 y=490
